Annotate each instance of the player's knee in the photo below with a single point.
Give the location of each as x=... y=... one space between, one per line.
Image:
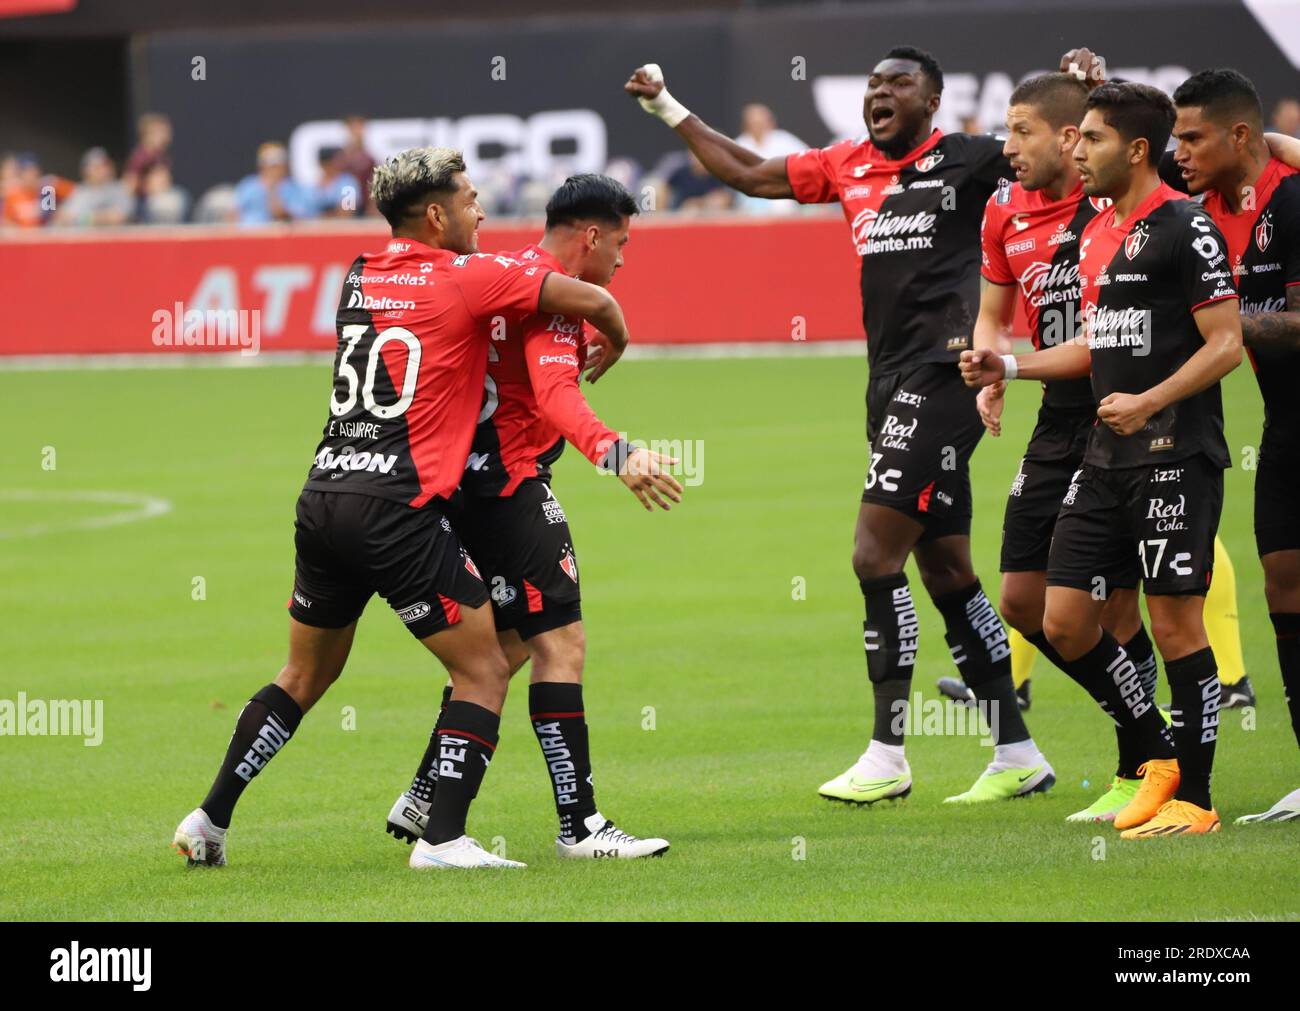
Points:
x=1281 y=585
x=1176 y=638
x=558 y=655
x=306 y=683
x=1068 y=635
x=1022 y=612
x=870 y=561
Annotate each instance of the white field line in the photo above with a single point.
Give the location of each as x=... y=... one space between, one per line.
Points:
x=138 y=507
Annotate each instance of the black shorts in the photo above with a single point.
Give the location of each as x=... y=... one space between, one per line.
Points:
x=922 y=427
x=523 y=547
x=1054 y=453
x=351 y=546
x=1164 y=517
x=1277 y=496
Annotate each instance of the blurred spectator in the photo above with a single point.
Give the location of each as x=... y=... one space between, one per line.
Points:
x=100 y=199
x=216 y=206
x=693 y=189
x=971 y=125
x=153 y=147
x=760 y=134
x=356 y=160
x=270 y=194
x=1286 y=117
x=162 y=202
x=337 y=194
x=30 y=196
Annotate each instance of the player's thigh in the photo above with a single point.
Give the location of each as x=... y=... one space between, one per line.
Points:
x=1174 y=514
x=883 y=537
x=922 y=437
x=470 y=652
x=558 y=654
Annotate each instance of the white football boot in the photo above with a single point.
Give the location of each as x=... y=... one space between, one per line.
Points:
x=406 y=821
x=607 y=841
x=202 y=843
x=1286 y=809
x=460 y=852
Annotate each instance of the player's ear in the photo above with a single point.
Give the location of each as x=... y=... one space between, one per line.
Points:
x=1137 y=152
x=1068 y=137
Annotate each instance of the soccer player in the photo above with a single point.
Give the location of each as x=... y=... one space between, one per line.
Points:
x=1030 y=239
x=413 y=332
x=1162 y=326
x=1254 y=199
x=516 y=530
x=913 y=198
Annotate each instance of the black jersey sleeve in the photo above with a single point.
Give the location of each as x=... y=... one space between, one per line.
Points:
x=1287 y=223
x=1201 y=259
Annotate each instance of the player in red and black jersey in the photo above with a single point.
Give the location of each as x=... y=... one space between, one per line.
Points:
x=913 y=198
x=1160 y=315
x=516 y=529
x=413 y=330
x=1254 y=199
x=1030 y=240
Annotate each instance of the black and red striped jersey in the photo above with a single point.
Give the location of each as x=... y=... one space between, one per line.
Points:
x=414 y=325
x=1141 y=282
x=1032 y=241
x=1264 y=249
x=533 y=402
x=915 y=222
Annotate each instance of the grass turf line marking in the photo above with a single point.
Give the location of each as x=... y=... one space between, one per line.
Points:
x=144 y=507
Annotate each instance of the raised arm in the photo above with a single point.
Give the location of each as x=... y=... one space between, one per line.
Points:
x=727 y=161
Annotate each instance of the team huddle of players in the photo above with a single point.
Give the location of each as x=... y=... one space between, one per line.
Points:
x=456 y=386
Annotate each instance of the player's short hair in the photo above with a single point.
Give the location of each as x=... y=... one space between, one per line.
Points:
x=1059 y=98
x=929 y=65
x=1224 y=95
x=405 y=185
x=590 y=197
x=1136 y=110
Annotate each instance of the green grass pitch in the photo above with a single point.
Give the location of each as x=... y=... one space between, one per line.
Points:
x=755 y=697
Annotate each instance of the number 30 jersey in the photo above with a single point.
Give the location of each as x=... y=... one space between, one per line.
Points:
x=413 y=330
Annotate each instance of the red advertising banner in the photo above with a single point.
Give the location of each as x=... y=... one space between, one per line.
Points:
x=129 y=291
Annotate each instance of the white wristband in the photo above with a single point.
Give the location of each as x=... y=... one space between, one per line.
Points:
x=663 y=104
x=1012 y=369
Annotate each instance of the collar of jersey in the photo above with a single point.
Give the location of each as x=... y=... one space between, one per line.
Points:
x=1264 y=187
x=1162 y=193
x=881 y=163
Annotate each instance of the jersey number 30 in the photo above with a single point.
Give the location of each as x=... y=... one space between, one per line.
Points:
x=352 y=334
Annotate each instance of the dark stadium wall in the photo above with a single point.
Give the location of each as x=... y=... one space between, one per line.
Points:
x=808 y=63
x=59 y=97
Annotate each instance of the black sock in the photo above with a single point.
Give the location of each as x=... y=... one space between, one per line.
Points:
x=560 y=724
x=1287 y=629
x=466 y=741
x=890 y=636
x=982 y=653
x=1107 y=674
x=426 y=777
x=1194 y=705
x=1129 y=742
x=267 y=721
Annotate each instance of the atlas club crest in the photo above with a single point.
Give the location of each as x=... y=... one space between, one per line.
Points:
x=1264 y=231
x=1136 y=240
x=929 y=161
